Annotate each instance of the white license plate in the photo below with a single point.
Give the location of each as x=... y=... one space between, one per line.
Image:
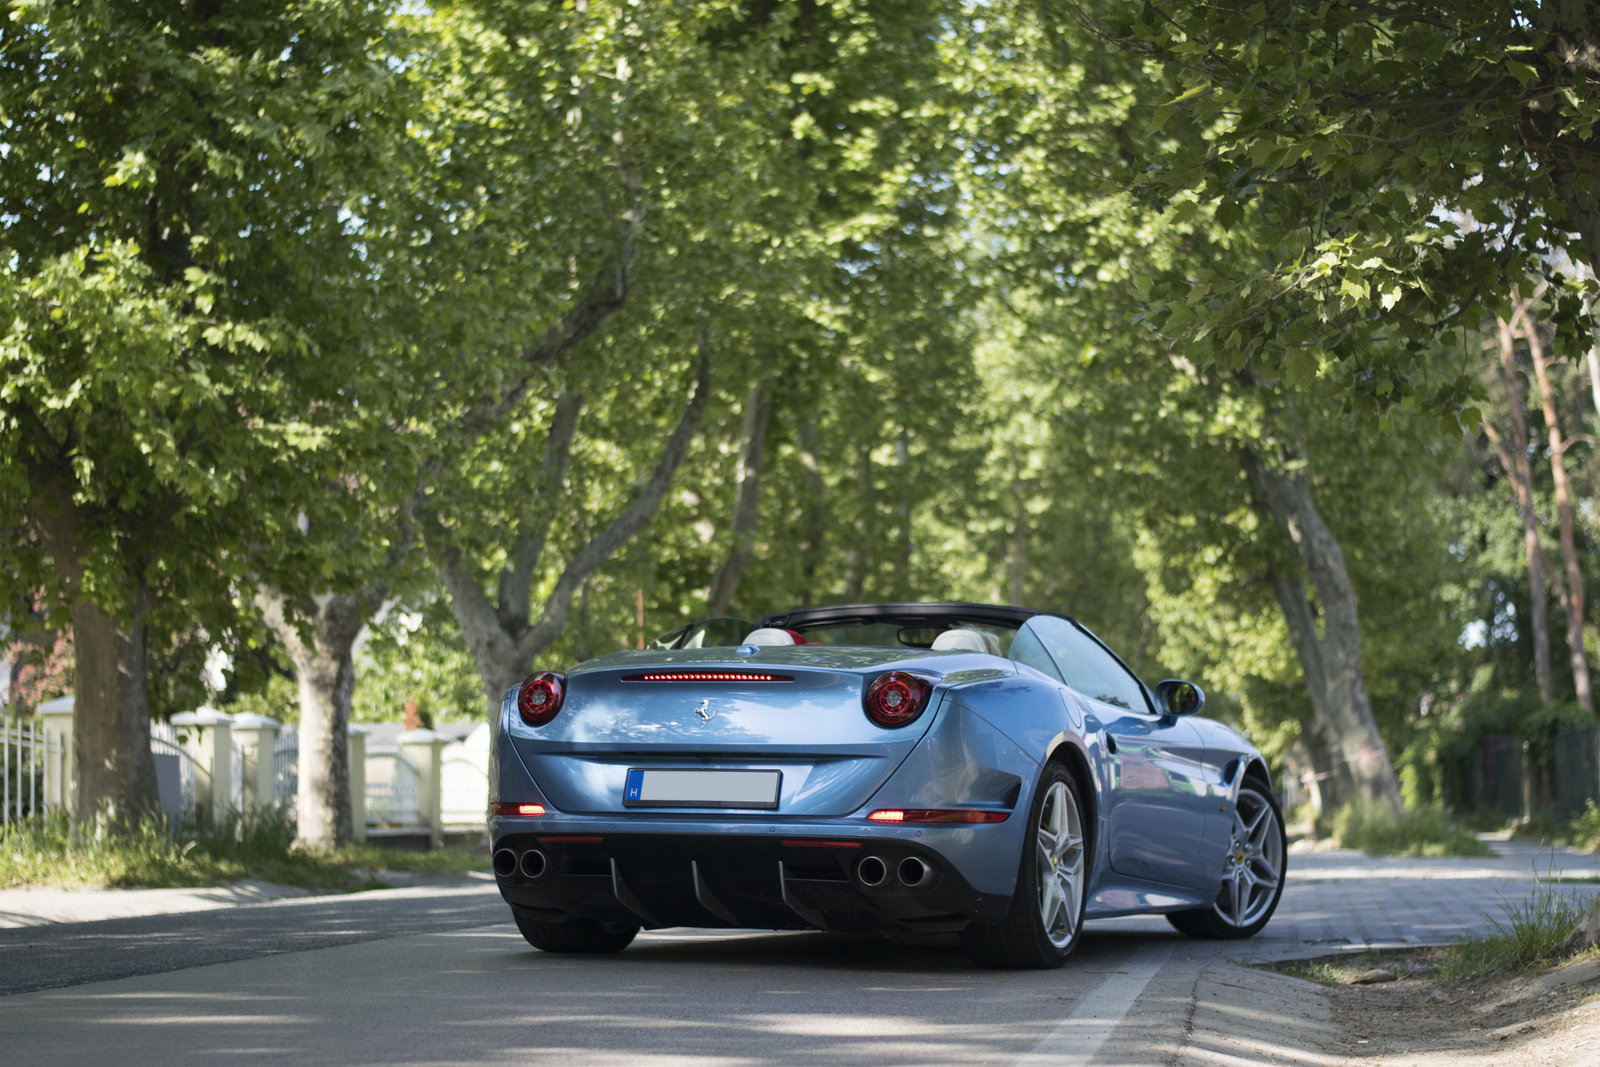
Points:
x=701 y=789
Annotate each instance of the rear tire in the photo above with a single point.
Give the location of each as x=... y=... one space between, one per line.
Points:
x=1253 y=870
x=1045 y=922
x=574 y=935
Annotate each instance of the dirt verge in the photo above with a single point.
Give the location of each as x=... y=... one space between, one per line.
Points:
x=1397 y=1008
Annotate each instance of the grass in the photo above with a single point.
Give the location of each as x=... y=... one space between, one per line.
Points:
x=1529 y=938
x=1426 y=830
x=48 y=851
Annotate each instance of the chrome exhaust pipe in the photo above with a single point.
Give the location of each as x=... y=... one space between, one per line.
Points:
x=913 y=872
x=505 y=862
x=872 y=871
x=534 y=863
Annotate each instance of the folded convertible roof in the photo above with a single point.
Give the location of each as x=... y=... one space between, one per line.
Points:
x=907 y=614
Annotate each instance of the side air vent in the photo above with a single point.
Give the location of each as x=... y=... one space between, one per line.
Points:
x=707 y=676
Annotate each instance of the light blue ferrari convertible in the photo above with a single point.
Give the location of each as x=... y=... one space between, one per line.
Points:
x=877 y=767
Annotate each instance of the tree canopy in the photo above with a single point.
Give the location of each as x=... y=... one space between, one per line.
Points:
x=505 y=335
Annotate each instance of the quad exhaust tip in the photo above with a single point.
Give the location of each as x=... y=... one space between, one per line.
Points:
x=913 y=872
x=505 y=862
x=872 y=871
x=534 y=863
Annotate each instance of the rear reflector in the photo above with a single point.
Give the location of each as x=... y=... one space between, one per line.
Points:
x=568 y=840
x=822 y=844
x=937 y=815
x=516 y=809
x=707 y=676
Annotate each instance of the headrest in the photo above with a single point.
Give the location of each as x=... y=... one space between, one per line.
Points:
x=769 y=636
x=960 y=640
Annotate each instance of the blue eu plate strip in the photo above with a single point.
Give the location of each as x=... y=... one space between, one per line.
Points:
x=635 y=784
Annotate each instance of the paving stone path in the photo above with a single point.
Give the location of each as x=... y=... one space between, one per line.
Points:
x=1340 y=900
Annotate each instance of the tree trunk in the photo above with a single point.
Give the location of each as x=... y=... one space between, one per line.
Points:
x=111 y=717
x=1593 y=362
x=902 y=556
x=1297 y=615
x=324 y=668
x=816 y=511
x=747 y=499
x=111 y=692
x=1287 y=497
x=585 y=650
x=1017 y=560
x=855 y=575
x=502 y=638
x=1519 y=467
x=1572 y=602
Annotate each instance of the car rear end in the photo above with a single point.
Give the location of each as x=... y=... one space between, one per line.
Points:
x=704 y=788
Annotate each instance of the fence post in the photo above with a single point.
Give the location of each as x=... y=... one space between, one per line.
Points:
x=60 y=770
x=358 y=782
x=258 y=735
x=209 y=739
x=422 y=747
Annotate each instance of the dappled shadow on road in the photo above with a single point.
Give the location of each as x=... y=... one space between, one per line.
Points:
x=483 y=996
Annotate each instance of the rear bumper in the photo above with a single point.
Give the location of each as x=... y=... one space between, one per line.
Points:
x=786 y=879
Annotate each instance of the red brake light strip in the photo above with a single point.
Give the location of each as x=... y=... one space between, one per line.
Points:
x=707 y=676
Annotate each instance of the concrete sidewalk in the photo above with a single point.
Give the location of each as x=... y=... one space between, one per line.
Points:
x=1341 y=900
x=42 y=905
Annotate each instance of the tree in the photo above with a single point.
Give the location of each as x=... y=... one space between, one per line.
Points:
x=182 y=293
x=1414 y=164
x=1062 y=138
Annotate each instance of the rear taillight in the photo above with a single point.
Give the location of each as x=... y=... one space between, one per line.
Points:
x=516 y=809
x=896 y=698
x=540 y=697
x=937 y=815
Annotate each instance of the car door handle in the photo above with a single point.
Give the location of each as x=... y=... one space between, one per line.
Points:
x=1110 y=742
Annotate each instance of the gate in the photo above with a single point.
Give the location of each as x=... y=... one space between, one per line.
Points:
x=391 y=790
x=1575 y=769
x=26 y=751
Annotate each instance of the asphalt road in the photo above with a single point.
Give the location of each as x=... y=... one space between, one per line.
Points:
x=440 y=976
x=66 y=954
x=479 y=994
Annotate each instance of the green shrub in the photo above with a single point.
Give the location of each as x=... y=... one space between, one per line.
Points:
x=1584 y=831
x=1426 y=830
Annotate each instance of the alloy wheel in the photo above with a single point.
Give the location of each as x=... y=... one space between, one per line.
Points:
x=1253 y=865
x=1061 y=864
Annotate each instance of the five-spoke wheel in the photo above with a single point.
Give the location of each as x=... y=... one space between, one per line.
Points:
x=1060 y=865
x=1252 y=872
x=1046 y=916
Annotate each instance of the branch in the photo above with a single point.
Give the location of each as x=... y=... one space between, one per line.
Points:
x=516 y=579
x=607 y=294
x=626 y=526
x=747 y=499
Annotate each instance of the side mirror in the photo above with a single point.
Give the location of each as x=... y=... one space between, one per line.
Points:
x=1178 y=697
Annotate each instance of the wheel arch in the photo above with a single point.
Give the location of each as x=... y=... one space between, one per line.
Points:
x=1255 y=767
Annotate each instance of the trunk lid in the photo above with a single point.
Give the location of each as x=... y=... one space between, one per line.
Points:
x=796 y=710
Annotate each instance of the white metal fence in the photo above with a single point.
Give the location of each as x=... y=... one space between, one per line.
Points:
x=286 y=766
x=391 y=790
x=165 y=746
x=36 y=774
x=29 y=757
